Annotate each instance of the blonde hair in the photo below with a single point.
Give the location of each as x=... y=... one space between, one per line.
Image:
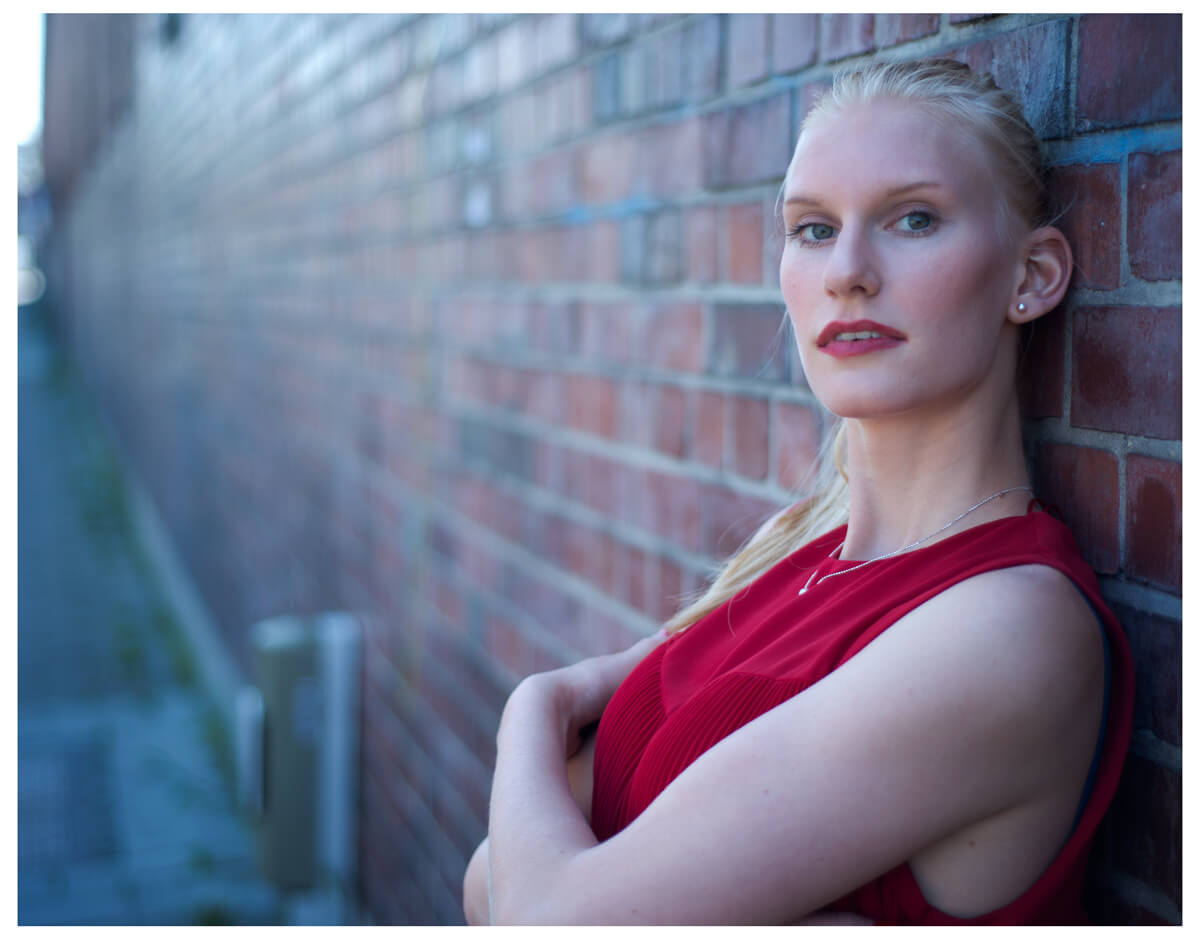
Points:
x=949 y=90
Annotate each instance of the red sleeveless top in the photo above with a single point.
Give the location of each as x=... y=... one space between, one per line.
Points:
x=753 y=653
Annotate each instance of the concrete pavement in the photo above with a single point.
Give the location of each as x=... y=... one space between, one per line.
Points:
x=125 y=804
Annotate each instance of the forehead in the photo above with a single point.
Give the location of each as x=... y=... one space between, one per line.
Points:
x=885 y=144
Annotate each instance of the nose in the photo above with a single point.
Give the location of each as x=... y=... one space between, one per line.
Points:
x=850 y=268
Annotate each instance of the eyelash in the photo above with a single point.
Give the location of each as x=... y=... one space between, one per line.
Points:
x=795 y=231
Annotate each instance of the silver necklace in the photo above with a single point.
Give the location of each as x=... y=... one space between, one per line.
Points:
x=896 y=552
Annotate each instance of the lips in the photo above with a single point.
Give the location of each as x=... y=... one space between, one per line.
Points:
x=860 y=330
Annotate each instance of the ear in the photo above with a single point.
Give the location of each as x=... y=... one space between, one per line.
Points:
x=1045 y=275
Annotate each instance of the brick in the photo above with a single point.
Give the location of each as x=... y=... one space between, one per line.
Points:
x=1127 y=375
x=663 y=259
x=893 y=28
x=592 y=405
x=601 y=246
x=700 y=250
x=795 y=442
x=746 y=342
x=1082 y=484
x=604 y=168
x=748 y=144
x=1147 y=826
x=1130 y=69
x=633 y=80
x=1033 y=64
x=671 y=158
x=729 y=518
x=606 y=88
x=669 y=506
x=1154 y=521
x=1155 y=643
x=606 y=330
x=604 y=28
x=1154 y=221
x=702 y=58
x=960 y=18
x=846 y=34
x=669 y=590
x=669 y=420
x=708 y=428
x=808 y=95
x=664 y=78
x=749 y=454
x=1090 y=201
x=1041 y=374
x=743 y=228
x=673 y=336
x=793 y=41
x=746 y=50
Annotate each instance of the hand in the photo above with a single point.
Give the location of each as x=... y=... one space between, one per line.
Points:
x=580 y=692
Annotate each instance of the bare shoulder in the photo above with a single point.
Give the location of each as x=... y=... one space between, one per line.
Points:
x=1027 y=634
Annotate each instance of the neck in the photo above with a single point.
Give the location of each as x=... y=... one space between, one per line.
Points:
x=909 y=476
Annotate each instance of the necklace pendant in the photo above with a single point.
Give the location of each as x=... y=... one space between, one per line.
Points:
x=803 y=590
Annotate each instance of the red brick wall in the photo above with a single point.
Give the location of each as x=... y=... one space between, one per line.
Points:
x=471 y=324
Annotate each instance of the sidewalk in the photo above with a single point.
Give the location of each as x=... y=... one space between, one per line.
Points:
x=125 y=806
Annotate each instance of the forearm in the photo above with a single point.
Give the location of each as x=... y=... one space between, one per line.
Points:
x=535 y=825
x=475 y=888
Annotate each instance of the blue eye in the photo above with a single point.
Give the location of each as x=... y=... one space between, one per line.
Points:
x=813 y=233
x=916 y=221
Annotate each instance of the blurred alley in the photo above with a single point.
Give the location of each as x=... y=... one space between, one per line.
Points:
x=125 y=804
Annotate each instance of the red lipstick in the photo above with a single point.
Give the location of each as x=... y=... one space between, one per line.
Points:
x=846 y=339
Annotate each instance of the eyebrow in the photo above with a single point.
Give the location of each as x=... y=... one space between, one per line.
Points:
x=802 y=199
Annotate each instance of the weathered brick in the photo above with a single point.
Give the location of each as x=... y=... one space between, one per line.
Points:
x=793 y=41
x=894 y=28
x=744 y=244
x=959 y=18
x=1130 y=69
x=748 y=144
x=746 y=342
x=746 y=50
x=1155 y=643
x=1154 y=221
x=846 y=34
x=795 y=441
x=1154 y=521
x=1147 y=826
x=1090 y=199
x=1127 y=371
x=1032 y=64
x=1041 y=377
x=1082 y=483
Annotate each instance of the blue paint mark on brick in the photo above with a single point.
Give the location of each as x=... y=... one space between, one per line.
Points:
x=1112 y=146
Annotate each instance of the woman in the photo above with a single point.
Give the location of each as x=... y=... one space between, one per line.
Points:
x=904 y=699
